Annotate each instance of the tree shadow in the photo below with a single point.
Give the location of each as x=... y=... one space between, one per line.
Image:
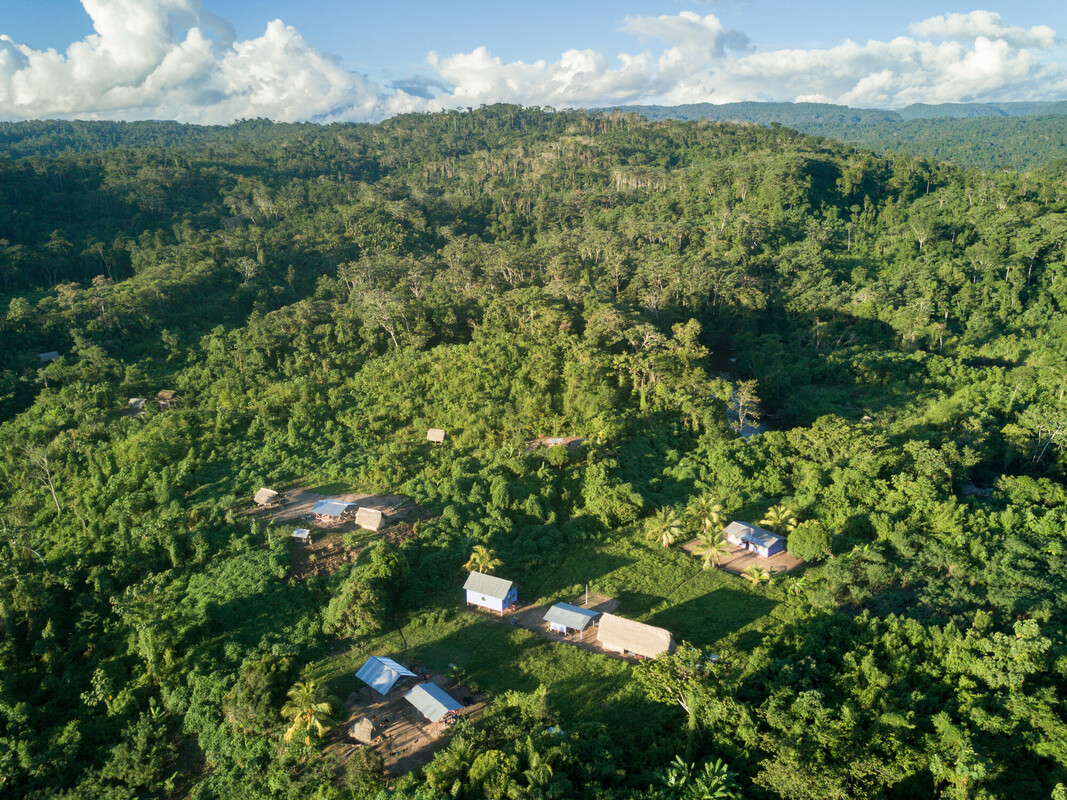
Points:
x=706 y=619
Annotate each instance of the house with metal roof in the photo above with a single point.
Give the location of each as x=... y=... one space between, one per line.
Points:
x=621 y=635
x=564 y=618
x=47 y=358
x=432 y=701
x=754 y=539
x=381 y=673
x=489 y=591
x=302 y=534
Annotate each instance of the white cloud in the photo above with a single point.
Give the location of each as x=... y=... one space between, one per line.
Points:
x=174 y=59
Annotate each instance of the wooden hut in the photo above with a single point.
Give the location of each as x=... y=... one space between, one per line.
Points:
x=621 y=635
x=363 y=730
x=370 y=519
x=266 y=497
x=490 y=592
x=167 y=399
x=435 y=435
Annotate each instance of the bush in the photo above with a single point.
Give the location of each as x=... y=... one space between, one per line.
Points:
x=809 y=542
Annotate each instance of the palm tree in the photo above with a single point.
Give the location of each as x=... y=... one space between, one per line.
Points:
x=714 y=548
x=664 y=527
x=780 y=519
x=707 y=512
x=309 y=711
x=482 y=560
x=449 y=770
x=757 y=575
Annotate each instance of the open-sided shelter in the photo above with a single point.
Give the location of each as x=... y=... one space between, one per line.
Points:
x=363 y=730
x=370 y=519
x=563 y=618
x=621 y=635
x=381 y=673
x=754 y=539
x=435 y=435
x=489 y=591
x=266 y=497
x=432 y=701
x=330 y=509
x=303 y=534
x=135 y=406
x=166 y=399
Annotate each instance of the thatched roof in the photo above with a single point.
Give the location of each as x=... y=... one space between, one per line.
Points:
x=488 y=585
x=166 y=394
x=265 y=496
x=363 y=730
x=619 y=634
x=370 y=519
x=435 y=435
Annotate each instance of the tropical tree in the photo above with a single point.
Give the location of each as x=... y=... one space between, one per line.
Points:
x=450 y=770
x=665 y=527
x=707 y=512
x=309 y=711
x=482 y=560
x=780 y=519
x=715 y=546
x=713 y=781
x=757 y=575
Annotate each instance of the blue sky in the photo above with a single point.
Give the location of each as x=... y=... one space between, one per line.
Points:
x=216 y=60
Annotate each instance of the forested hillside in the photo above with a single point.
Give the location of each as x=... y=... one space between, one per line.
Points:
x=987 y=136
x=320 y=296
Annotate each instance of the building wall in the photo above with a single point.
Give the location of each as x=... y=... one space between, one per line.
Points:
x=492 y=603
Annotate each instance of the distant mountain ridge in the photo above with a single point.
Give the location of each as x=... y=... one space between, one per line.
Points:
x=1017 y=135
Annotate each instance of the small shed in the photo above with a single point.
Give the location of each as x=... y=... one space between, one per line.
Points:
x=370 y=519
x=330 y=510
x=303 y=534
x=564 y=618
x=381 y=673
x=167 y=399
x=432 y=701
x=435 y=435
x=363 y=730
x=47 y=358
x=266 y=497
x=621 y=635
x=490 y=592
x=135 y=406
x=754 y=539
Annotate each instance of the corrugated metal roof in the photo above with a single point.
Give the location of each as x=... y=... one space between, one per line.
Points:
x=380 y=673
x=330 y=508
x=572 y=616
x=618 y=634
x=51 y=355
x=489 y=585
x=432 y=701
x=747 y=532
x=301 y=533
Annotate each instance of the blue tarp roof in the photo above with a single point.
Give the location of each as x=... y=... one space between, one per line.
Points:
x=380 y=673
x=432 y=701
x=571 y=616
x=330 y=508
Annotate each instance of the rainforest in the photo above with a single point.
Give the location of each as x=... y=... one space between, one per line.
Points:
x=864 y=353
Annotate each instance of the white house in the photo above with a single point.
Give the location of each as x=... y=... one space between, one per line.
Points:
x=490 y=592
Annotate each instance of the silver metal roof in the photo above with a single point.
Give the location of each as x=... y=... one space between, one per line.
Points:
x=330 y=508
x=489 y=585
x=380 y=673
x=432 y=701
x=571 y=616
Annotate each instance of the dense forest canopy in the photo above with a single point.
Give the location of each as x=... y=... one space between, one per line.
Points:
x=319 y=296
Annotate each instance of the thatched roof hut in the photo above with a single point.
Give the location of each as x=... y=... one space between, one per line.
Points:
x=370 y=519
x=621 y=635
x=265 y=497
x=363 y=730
x=435 y=435
x=166 y=399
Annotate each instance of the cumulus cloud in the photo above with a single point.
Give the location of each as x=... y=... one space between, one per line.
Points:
x=174 y=59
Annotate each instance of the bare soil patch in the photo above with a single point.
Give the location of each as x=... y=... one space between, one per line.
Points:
x=324 y=554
